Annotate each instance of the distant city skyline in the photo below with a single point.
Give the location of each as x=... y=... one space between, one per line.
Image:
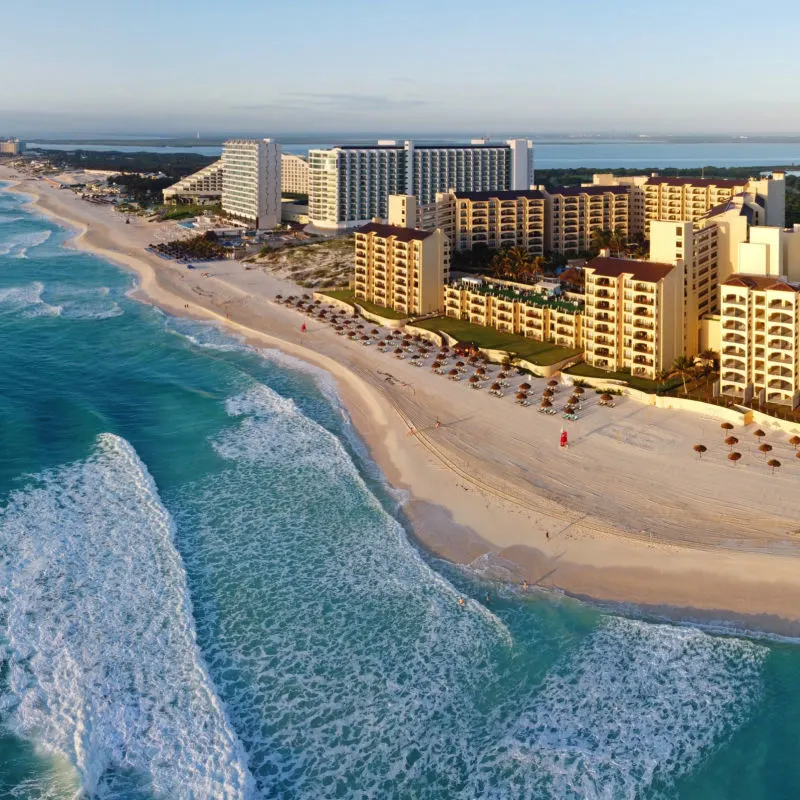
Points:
x=456 y=67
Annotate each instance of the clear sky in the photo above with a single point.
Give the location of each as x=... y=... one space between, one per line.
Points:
x=477 y=66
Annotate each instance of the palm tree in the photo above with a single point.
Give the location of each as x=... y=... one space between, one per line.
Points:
x=682 y=366
x=709 y=356
x=618 y=240
x=500 y=264
x=519 y=262
x=601 y=239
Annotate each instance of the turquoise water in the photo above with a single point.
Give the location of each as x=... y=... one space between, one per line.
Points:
x=204 y=593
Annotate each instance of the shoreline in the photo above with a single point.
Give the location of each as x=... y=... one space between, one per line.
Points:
x=474 y=507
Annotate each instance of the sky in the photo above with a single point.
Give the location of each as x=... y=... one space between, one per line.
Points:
x=270 y=67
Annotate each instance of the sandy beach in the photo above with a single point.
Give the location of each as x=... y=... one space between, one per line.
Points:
x=628 y=514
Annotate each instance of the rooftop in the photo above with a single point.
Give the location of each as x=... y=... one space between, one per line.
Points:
x=532 y=297
x=648 y=271
x=399 y=233
x=511 y=194
x=762 y=283
x=576 y=191
x=726 y=183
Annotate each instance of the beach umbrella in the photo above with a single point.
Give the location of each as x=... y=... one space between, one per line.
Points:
x=360 y=327
x=574 y=400
x=765 y=448
x=407 y=336
x=317 y=302
x=459 y=363
x=480 y=371
x=473 y=359
x=436 y=365
x=501 y=375
x=415 y=356
x=374 y=331
x=417 y=337
x=525 y=387
x=495 y=387
x=578 y=390
x=726 y=426
x=398 y=350
x=338 y=328
x=521 y=395
x=731 y=441
x=606 y=398
x=774 y=463
x=700 y=449
x=453 y=372
x=279 y=297
x=423 y=350
x=547 y=393
x=444 y=348
x=351 y=334
x=734 y=457
x=306 y=297
x=546 y=403
x=364 y=337
x=473 y=378
x=759 y=434
x=552 y=383
x=794 y=441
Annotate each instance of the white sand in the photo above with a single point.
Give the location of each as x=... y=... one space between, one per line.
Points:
x=633 y=515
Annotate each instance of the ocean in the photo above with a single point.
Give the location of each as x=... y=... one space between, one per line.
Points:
x=205 y=592
x=596 y=154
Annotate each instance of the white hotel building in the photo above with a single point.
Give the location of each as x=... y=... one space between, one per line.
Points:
x=350 y=184
x=251 y=181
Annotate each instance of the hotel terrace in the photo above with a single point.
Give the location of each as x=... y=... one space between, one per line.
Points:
x=515 y=308
x=401 y=268
x=575 y=212
x=633 y=318
x=760 y=326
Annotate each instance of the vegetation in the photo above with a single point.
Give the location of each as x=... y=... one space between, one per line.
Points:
x=315 y=265
x=516 y=264
x=792 y=200
x=644 y=385
x=201 y=248
x=348 y=296
x=543 y=353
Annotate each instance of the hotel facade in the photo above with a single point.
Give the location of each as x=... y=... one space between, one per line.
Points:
x=294 y=174
x=203 y=186
x=11 y=147
x=350 y=184
x=515 y=308
x=401 y=268
x=633 y=318
x=251 y=181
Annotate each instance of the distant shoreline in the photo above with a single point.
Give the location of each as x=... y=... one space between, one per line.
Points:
x=488 y=489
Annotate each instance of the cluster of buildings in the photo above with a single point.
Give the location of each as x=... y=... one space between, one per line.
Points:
x=11 y=147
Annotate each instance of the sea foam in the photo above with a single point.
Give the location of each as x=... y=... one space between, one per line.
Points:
x=103 y=665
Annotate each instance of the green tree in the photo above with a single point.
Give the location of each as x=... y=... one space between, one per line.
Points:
x=683 y=366
x=601 y=239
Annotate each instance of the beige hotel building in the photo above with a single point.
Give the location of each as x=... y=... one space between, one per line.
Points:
x=633 y=317
x=573 y=213
x=401 y=268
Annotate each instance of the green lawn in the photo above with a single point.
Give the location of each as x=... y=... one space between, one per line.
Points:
x=349 y=296
x=536 y=352
x=588 y=371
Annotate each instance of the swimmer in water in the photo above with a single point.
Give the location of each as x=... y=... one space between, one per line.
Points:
x=461 y=601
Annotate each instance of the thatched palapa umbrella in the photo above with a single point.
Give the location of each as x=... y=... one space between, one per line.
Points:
x=459 y=364
x=700 y=449
x=495 y=387
x=726 y=426
x=774 y=463
x=759 y=434
x=578 y=390
x=765 y=448
x=521 y=395
x=547 y=393
x=553 y=383
x=453 y=372
x=525 y=387
x=398 y=351
x=731 y=441
x=546 y=402
x=473 y=379
x=480 y=371
x=734 y=457
x=794 y=441
x=606 y=398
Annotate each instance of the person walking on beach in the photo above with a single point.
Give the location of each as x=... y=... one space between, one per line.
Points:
x=438 y=424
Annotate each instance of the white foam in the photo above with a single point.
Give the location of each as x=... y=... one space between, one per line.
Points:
x=17 y=245
x=27 y=298
x=634 y=707
x=103 y=663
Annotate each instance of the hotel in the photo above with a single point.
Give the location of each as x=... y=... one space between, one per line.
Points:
x=401 y=268
x=633 y=318
x=251 y=181
x=203 y=186
x=350 y=184
x=575 y=212
x=294 y=174
x=490 y=219
x=515 y=308
x=11 y=147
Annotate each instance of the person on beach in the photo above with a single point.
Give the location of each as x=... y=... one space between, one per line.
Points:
x=564 y=441
x=488 y=598
x=524 y=586
x=303 y=327
x=438 y=424
x=547 y=535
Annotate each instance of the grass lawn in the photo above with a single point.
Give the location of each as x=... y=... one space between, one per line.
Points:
x=536 y=352
x=587 y=371
x=348 y=296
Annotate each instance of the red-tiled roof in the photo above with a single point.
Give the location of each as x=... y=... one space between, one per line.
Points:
x=399 y=233
x=511 y=194
x=649 y=271
x=724 y=183
x=761 y=283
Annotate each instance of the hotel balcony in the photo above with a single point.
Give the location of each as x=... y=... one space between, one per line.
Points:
x=643 y=336
x=733 y=363
x=780 y=383
x=603 y=304
x=780 y=330
x=644 y=287
x=640 y=323
x=641 y=298
x=730 y=311
x=734 y=377
x=642 y=311
x=777 y=344
x=733 y=325
x=780 y=358
x=641 y=347
x=733 y=350
x=783 y=305
x=781 y=317
x=783 y=372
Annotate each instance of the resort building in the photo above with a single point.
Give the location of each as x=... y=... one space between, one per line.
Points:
x=688 y=199
x=401 y=268
x=199 y=188
x=574 y=212
x=633 y=317
x=11 y=147
x=350 y=184
x=635 y=184
x=251 y=181
x=493 y=219
x=294 y=174
x=760 y=319
x=515 y=308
